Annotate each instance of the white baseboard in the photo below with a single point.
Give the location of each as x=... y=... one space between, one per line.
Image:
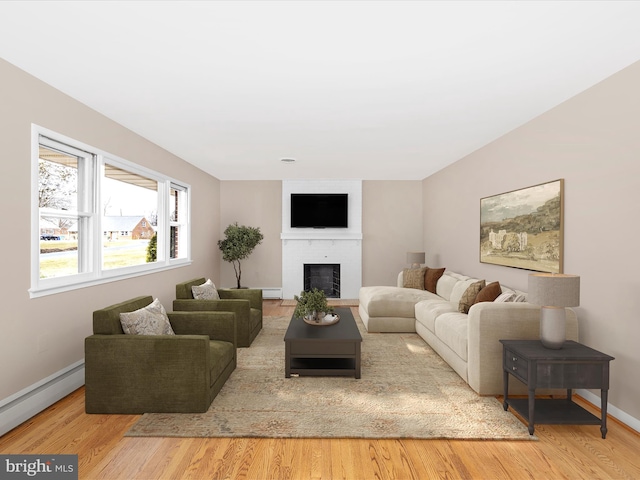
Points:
x=615 y=412
x=30 y=401
x=272 y=293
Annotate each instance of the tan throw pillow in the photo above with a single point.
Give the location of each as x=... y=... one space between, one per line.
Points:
x=150 y=320
x=431 y=278
x=470 y=295
x=488 y=293
x=206 y=291
x=413 y=278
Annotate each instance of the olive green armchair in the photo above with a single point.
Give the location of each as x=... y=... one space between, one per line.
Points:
x=129 y=374
x=246 y=303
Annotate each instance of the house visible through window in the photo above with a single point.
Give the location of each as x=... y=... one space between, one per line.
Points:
x=97 y=217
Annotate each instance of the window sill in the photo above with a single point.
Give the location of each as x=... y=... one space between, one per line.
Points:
x=45 y=291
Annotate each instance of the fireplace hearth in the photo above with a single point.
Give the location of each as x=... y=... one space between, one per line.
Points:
x=325 y=277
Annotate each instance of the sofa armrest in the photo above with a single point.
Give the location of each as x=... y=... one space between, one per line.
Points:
x=143 y=373
x=215 y=325
x=488 y=323
x=254 y=295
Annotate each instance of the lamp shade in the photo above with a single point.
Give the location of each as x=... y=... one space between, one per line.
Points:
x=415 y=257
x=554 y=290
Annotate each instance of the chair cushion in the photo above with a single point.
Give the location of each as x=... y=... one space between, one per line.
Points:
x=221 y=355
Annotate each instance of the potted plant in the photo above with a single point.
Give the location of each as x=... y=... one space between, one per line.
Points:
x=312 y=305
x=238 y=244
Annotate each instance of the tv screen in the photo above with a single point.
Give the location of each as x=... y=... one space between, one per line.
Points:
x=319 y=210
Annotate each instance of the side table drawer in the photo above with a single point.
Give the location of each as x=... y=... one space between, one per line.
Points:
x=517 y=366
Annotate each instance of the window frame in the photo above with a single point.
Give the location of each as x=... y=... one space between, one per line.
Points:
x=92 y=254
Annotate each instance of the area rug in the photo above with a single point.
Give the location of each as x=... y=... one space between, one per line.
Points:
x=406 y=391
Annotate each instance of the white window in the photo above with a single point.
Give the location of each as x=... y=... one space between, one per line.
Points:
x=98 y=218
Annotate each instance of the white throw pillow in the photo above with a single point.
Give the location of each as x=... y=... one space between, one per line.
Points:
x=520 y=298
x=505 y=297
x=206 y=291
x=150 y=320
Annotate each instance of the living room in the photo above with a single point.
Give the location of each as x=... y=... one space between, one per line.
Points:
x=590 y=140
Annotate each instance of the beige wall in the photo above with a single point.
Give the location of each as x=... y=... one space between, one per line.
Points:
x=593 y=142
x=391 y=224
x=44 y=335
x=254 y=204
x=391 y=227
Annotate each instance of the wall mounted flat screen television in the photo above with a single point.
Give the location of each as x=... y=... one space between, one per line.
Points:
x=319 y=210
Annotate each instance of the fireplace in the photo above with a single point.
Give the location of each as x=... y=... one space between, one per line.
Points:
x=323 y=276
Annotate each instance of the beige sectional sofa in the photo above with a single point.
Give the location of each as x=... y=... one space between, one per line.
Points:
x=468 y=342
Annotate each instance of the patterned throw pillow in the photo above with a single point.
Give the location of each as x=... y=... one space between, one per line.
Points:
x=505 y=297
x=150 y=320
x=413 y=278
x=206 y=291
x=469 y=296
x=521 y=297
x=488 y=293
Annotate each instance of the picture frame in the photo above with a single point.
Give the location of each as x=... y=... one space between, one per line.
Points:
x=524 y=228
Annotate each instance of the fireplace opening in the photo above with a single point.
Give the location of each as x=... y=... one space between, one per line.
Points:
x=325 y=277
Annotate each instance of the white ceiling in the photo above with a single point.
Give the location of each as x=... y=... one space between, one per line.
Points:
x=368 y=90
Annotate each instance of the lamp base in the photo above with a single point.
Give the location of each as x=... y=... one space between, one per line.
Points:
x=553 y=327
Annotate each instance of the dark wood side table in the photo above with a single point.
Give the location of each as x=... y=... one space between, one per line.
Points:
x=573 y=366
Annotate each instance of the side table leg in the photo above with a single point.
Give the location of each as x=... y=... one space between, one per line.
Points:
x=287 y=360
x=603 y=411
x=505 y=383
x=532 y=410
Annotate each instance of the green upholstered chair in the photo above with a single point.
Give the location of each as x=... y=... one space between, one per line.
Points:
x=246 y=303
x=129 y=374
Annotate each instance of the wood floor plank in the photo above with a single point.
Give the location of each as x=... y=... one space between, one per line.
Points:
x=562 y=451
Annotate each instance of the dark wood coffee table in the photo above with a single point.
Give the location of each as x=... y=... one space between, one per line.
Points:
x=330 y=350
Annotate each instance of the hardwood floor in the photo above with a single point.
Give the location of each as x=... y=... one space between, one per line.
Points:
x=573 y=452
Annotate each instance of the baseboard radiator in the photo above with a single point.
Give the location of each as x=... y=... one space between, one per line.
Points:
x=20 y=407
x=271 y=293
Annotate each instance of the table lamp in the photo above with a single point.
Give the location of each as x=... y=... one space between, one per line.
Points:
x=553 y=292
x=415 y=259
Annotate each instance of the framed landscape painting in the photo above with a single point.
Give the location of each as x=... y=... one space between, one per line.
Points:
x=524 y=228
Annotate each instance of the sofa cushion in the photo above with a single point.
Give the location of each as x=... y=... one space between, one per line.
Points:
x=459 y=288
x=428 y=310
x=468 y=298
x=451 y=328
x=414 y=278
x=383 y=301
x=445 y=285
x=149 y=320
x=431 y=278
